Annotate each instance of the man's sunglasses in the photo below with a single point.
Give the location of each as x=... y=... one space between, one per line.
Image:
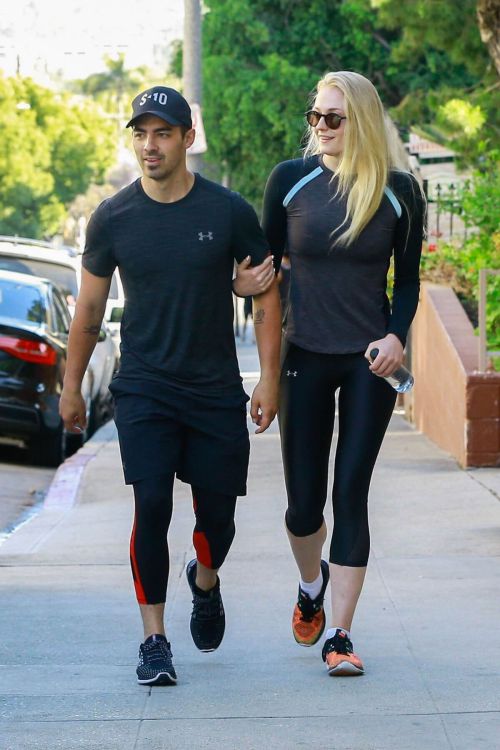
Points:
x=332 y=119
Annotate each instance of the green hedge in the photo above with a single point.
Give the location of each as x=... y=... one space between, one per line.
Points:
x=458 y=266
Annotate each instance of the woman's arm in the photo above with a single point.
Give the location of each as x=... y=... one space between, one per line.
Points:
x=407 y=251
x=251 y=280
x=274 y=222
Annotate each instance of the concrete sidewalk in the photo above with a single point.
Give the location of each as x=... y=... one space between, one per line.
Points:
x=426 y=626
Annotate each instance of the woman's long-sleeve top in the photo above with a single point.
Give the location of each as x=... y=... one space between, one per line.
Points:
x=338 y=301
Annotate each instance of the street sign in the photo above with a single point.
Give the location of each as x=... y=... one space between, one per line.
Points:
x=200 y=142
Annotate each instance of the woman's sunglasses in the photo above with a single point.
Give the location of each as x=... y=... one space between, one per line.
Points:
x=332 y=119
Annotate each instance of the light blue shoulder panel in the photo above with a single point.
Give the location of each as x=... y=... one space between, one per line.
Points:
x=300 y=184
x=394 y=201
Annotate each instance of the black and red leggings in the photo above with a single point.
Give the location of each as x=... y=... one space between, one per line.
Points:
x=149 y=557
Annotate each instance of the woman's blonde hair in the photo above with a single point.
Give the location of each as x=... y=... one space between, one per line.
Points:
x=370 y=150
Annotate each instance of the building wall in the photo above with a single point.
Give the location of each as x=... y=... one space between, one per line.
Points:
x=457 y=407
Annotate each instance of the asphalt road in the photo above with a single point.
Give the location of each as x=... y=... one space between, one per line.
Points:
x=21 y=486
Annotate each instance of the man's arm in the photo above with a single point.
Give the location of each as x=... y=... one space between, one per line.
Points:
x=83 y=335
x=267 y=326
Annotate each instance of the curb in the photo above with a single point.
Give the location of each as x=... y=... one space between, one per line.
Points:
x=64 y=488
x=62 y=496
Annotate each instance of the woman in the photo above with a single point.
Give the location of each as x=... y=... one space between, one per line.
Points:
x=340 y=212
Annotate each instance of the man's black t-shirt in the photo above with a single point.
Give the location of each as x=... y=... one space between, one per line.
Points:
x=176 y=265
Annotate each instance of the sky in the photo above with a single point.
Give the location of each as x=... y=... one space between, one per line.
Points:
x=68 y=38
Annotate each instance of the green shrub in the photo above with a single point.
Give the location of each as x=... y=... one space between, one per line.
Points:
x=458 y=266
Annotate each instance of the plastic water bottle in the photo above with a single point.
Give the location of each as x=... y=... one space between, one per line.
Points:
x=401 y=379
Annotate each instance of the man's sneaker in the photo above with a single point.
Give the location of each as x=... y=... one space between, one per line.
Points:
x=208 y=620
x=155 y=662
x=341 y=661
x=308 y=621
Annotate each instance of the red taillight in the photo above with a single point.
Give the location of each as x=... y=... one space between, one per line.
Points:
x=29 y=351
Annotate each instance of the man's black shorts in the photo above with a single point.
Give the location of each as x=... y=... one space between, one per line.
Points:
x=201 y=439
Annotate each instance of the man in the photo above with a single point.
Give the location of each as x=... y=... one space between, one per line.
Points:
x=179 y=402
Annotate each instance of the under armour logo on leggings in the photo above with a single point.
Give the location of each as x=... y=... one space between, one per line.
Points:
x=291 y=372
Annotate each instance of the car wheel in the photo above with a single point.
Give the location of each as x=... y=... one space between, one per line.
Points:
x=92 y=420
x=74 y=442
x=50 y=448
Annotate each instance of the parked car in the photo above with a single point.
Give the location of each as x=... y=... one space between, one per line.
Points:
x=114 y=305
x=34 y=325
x=24 y=248
x=63 y=267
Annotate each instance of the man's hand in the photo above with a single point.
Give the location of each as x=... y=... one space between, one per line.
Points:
x=264 y=404
x=83 y=335
x=73 y=411
x=390 y=355
x=252 y=281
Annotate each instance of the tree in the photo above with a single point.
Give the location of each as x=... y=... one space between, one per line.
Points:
x=262 y=58
x=488 y=13
x=51 y=149
x=458 y=106
x=259 y=72
x=114 y=86
x=446 y=26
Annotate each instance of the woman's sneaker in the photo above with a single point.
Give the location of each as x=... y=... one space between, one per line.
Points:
x=208 y=620
x=341 y=661
x=308 y=621
x=155 y=662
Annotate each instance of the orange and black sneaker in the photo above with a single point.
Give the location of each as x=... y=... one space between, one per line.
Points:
x=308 y=621
x=340 y=659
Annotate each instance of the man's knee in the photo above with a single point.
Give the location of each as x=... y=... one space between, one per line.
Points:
x=153 y=500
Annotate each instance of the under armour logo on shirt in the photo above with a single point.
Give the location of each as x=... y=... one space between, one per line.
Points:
x=291 y=372
x=207 y=236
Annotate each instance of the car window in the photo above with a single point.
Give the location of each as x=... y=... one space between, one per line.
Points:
x=61 y=323
x=63 y=276
x=21 y=302
x=62 y=310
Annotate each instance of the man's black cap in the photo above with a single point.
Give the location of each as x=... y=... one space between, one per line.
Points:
x=163 y=102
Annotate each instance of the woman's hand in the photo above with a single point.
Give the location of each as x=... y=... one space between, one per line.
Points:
x=390 y=355
x=251 y=281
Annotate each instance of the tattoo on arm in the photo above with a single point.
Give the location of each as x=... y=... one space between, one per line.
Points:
x=259 y=316
x=93 y=330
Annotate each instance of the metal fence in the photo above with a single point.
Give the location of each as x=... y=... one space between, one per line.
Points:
x=443 y=217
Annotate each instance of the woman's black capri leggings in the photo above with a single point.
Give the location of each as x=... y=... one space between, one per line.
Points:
x=307 y=413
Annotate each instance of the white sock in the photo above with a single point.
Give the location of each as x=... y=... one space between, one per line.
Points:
x=313 y=587
x=331 y=632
